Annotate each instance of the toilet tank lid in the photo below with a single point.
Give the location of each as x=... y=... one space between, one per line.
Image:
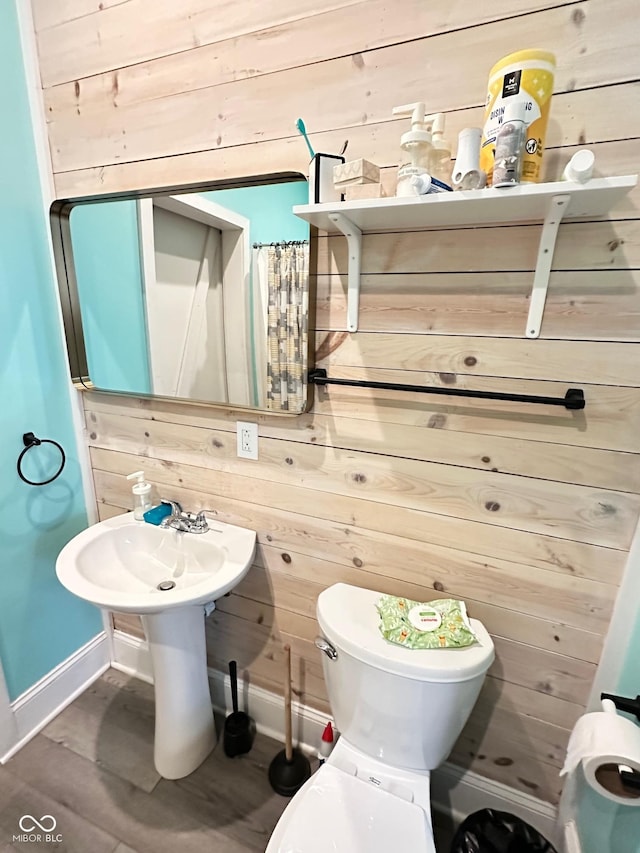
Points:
x=349 y=619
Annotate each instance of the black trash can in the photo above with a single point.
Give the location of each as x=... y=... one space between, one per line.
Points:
x=489 y=831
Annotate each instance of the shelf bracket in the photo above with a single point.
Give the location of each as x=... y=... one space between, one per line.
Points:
x=354 y=246
x=557 y=209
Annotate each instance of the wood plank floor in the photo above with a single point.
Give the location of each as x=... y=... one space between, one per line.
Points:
x=92 y=769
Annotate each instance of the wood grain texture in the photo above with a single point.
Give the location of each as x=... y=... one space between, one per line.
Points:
x=126 y=133
x=584 y=514
x=601 y=305
x=526 y=512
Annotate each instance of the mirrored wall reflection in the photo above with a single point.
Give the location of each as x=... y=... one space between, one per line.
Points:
x=198 y=296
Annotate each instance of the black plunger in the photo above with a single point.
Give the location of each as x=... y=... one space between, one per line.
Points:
x=239 y=728
x=290 y=769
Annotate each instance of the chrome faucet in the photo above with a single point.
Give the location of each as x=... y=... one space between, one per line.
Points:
x=186 y=522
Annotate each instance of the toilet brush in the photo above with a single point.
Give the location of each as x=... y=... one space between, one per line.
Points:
x=290 y=769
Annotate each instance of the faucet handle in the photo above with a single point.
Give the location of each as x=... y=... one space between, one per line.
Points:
x=199 y=523
x=176 y=508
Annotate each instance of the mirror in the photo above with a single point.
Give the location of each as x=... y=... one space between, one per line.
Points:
x=197 y=293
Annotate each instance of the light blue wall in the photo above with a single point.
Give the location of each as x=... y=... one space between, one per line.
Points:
x=269 y=209
x=106 y=256
x=40 y=623
x=603 y=826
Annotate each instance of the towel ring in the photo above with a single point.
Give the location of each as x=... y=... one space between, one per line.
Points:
x=30 y=441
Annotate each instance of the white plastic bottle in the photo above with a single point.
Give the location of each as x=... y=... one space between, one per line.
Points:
x=416 y=147
x=440 y=164
x=141 y=495
x=510 y=143
x=580 y=168
x=326 y=744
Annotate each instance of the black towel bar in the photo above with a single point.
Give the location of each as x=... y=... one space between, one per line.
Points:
x=573 y=399
x=629 y=706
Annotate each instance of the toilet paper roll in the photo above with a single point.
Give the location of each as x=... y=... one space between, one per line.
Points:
x=601 y=742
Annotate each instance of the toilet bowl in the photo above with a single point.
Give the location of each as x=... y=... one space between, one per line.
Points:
x=399 y=712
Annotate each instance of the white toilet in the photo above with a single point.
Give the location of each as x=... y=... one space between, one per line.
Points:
x=399 y=712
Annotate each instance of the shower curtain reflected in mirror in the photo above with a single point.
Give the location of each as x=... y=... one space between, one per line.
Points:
x=281 y=297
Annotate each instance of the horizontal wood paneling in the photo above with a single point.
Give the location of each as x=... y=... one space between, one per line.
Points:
x=597 y=305
x=584 y=514
x=561 y=361
x=526 y=512
x=128 y=134
x=574 y=558
x=100 y=36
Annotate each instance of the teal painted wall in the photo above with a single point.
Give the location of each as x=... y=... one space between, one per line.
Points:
x=106 y=256
x=605 y=827
x=269 y=209
x=40 y=623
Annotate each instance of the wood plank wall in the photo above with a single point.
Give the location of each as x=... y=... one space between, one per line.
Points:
x=527 y=513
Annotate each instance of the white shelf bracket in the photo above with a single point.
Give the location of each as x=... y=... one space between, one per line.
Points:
x=354 y=246
x=557 y=209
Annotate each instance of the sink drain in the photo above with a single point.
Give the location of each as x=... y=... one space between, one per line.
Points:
x=163 y=586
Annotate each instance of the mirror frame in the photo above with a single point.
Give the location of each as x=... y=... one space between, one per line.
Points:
x=59 y=216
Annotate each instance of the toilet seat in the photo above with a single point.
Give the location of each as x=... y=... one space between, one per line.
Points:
x=338 y=812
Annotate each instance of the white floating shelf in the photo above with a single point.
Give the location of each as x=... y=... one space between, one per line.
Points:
x=546 y=203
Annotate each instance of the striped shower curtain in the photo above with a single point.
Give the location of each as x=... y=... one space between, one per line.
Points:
x=287 y=327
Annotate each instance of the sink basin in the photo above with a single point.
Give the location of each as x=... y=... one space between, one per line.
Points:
x=123 y=564
x=167 y=577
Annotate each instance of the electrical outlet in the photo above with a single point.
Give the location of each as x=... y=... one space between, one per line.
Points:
x=247 y=440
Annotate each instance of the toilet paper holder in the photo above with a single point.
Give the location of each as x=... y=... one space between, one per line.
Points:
x=629 y=706
x=629 y=779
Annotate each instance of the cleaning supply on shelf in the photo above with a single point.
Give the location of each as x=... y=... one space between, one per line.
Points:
x=440 y=166
x=580 y=167
x=510 y=142
x=528 y=75
x=467 y=174
x=439 y=624
x=326 y=744
x=416 y=148
x=141 y=495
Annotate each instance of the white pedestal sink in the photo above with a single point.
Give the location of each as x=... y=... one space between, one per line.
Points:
x=166 y=576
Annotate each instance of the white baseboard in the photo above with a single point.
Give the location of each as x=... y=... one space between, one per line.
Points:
x=42 y=702
x=131 y=656
x=454 y=791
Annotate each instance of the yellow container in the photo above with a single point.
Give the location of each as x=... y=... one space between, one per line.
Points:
x=526 y=74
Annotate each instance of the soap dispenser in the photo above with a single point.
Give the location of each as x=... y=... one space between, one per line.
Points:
x=141 y=495
x=416 y=147
x=440 y=165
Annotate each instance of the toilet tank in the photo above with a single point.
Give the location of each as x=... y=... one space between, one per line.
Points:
x=405 y=707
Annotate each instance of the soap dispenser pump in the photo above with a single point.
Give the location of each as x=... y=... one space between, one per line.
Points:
x=416 y=145
x=141 y=495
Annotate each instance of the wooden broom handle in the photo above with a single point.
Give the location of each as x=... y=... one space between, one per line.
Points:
x=288 y=739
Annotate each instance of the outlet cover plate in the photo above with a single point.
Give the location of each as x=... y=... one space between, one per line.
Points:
x=247 y=435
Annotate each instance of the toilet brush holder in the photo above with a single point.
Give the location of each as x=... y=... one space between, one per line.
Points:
x=290 y=769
